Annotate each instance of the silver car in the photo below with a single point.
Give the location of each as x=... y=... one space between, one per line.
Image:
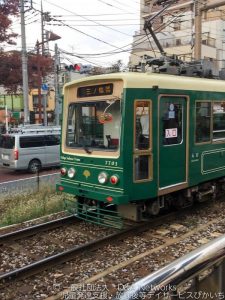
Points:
x=30 y=150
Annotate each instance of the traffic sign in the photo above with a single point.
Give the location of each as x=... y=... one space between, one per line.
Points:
x=44 y=87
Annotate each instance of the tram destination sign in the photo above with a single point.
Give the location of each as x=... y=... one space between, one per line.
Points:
x=95 y=90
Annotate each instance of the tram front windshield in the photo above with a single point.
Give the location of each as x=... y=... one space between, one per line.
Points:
x=94 y=125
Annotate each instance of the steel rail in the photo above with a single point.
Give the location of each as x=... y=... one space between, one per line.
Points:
x=32 y=230
x=51 y=261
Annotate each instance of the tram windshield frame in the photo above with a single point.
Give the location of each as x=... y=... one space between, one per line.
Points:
x=94 y=125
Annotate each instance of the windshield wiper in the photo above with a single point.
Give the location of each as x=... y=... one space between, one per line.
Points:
x=85 y=147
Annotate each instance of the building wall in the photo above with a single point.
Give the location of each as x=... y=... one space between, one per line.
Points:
x=178 y=36
x=13 y=103
x=50 y=100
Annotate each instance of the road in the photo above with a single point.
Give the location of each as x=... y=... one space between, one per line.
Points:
x=12 y=182
x=10 y=175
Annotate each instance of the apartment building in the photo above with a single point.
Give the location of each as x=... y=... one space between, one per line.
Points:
x=175 y=29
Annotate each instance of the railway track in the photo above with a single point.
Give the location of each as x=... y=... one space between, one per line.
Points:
x=62 y=257
x=35 y=229
x=127 y=271
x=117 y=259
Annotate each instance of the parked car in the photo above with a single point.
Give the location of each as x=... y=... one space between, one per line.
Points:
x=31 y=148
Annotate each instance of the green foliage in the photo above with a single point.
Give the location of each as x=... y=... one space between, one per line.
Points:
x=11 y=69
x=26 y=207
x=7 y=8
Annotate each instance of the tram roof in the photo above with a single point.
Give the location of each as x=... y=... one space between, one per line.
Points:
x=146 y=80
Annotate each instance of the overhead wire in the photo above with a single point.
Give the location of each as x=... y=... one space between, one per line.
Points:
x=63 y=23
x=95 y=15
x=100 y=40
x=82 y=59
x=111 y=5
x=87 y=18
x=102 y=20
x=85 y=25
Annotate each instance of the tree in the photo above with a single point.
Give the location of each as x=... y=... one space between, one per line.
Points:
x=11 y=70
x=117 y=66
x=11 y=65
x=7 y=8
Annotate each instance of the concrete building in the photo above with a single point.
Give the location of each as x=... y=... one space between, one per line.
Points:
x=175 y=29
x=34 y=105
x=15 y=106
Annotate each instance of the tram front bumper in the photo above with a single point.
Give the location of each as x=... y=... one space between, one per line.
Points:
x=95 y=193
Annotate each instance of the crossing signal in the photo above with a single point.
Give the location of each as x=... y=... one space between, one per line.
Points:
x=75 y=67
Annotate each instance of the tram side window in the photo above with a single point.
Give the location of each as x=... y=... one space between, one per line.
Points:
x=141 y=167
x=218 y=121
x=142 y=140
x=142 y=119
x=203 y=121
x=172 y=119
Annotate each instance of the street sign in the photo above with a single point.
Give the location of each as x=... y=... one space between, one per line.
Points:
x=16 y=115
x=44 y=87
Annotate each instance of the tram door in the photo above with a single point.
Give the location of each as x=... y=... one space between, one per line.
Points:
x=172 y=141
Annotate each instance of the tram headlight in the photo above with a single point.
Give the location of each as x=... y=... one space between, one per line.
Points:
x=102 y=178
x=114 y=179
x=63 y=171
x=71 y=172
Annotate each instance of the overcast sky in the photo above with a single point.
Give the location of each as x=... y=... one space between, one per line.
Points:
x=119 y=20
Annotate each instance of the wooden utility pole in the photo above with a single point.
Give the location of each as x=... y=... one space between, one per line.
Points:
x=199 y=7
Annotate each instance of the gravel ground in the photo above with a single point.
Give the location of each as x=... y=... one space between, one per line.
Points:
x=34 y=248
x=14 y=227
x=115 y=266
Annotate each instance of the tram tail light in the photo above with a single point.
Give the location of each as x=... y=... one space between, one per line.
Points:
x=114 y=179
x=16 y=154
x=109 y=199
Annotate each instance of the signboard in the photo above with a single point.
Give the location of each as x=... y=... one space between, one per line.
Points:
x=170 y=133
x=95 y=90
x=44 y=87
x=16 y=115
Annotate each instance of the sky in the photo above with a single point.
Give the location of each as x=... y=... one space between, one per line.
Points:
x=86 y=27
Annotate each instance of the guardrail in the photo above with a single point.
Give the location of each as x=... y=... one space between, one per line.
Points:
x=29 y=184
x=197 y=275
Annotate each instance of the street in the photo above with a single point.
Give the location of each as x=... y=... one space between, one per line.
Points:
x=10 y=175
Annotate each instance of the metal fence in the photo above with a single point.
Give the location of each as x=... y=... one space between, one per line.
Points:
x=28 y=185
x=197 y=275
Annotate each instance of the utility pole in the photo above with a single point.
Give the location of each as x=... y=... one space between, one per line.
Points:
x=214 y=5
x=42 y=31
x=199 y=8
x=198 y=30
x=24 y=65
x=56 y=81
x=39 y=84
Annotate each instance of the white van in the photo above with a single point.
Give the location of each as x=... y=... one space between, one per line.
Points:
x=31 y=148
